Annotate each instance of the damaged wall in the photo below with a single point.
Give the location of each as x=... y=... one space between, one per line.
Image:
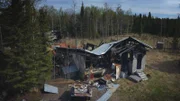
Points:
x=79 y=61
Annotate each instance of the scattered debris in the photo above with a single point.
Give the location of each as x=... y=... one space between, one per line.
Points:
x=96 y=71
x=107 y=77
x=100 y=84
x=50 y=89
x=90 y=46
x=142 y=75
x=81 y=90
x=124 y=57
x=114 y=60
x=135 y=78
x=109 y=92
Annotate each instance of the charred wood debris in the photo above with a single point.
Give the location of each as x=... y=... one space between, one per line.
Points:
x=100 y=66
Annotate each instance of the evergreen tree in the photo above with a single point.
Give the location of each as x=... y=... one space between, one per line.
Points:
x=27 y=64
x=82 y=19
x=140 y=24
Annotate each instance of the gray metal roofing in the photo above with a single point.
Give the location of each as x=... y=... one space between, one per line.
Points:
x=105 y=47
x=102 y=49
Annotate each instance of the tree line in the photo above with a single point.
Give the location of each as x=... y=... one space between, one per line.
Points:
x=156 y=26
x=90 y=22
x=95 y=22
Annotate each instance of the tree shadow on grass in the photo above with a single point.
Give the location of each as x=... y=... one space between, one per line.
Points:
x=65 y=96
x=172 y=67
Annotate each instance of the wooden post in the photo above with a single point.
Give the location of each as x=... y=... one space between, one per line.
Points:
x=118 y=70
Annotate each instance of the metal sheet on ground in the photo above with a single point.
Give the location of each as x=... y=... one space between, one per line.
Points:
x=135 y=78
x=108 y=93
x=50 y=89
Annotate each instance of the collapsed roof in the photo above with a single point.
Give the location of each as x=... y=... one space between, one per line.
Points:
x=117 y=51
x=104 y=48
x=107 y=46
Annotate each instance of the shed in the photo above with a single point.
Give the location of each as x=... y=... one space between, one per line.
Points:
x=129 y=52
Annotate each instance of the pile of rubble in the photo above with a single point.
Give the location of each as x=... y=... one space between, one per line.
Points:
x=118 y=59
x=84 y=89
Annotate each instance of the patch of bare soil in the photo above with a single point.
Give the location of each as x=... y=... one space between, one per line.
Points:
x=64 y=92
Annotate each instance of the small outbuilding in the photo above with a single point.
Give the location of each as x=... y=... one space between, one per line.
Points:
x=129 y=53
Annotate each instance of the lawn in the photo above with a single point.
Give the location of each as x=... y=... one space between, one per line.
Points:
x=163 y=84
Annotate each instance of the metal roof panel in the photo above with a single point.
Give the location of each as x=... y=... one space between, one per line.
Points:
x=105 y=47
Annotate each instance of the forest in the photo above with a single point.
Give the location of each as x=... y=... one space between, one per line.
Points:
x=96 y=22
x=25 y=61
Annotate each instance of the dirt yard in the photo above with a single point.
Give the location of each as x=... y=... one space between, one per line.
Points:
x=64 y=95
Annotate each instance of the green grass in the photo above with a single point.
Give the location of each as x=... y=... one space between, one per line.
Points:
x=163 y=85
x=160 y=87
x=147 y=38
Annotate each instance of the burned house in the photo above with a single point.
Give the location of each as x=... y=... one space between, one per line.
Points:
x=129 y=53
